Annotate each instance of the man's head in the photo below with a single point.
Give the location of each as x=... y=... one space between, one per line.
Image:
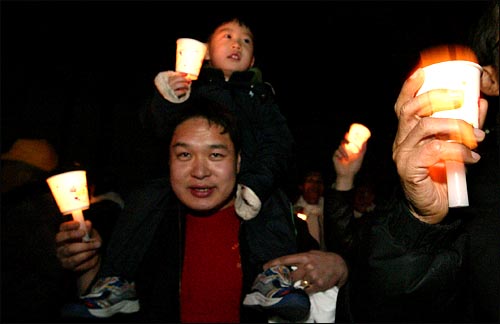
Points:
x=27 y=160
x=204 y=156
x=312 y=187
x=231 y=47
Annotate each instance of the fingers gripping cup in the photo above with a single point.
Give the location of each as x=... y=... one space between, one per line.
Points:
x=71 y=194
x=455 y=68
x=189 y=56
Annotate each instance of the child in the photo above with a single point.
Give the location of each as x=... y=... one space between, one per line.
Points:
x=229 y=77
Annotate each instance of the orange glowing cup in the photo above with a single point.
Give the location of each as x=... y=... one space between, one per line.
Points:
x=190 y=54
x=71 y=195
x=453 y=67
x=358 y=134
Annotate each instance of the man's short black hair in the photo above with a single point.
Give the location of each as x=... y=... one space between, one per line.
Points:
x=214 y=112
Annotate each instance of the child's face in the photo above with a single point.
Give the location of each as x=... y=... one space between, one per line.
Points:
x=231 y=48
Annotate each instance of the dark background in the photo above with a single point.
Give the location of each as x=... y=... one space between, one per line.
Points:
x=78 y=71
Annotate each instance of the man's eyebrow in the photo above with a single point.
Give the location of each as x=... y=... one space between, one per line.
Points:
x=180 y=144
x=219 y=146
x=212 y=146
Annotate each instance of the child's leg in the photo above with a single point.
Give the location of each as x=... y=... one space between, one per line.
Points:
x=272 y=232
x=135 y=229
x=269 y=235
x=114 y=291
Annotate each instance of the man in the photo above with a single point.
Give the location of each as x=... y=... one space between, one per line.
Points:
x=196 y=268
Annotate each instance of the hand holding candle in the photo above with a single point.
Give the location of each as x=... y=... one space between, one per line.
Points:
x=453 y=67
x=71 y=194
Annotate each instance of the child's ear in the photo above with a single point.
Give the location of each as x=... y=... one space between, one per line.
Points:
x=253 y=61
x=489 y=81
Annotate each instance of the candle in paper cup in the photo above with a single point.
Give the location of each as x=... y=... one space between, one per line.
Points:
x=190 y=54
x=358 y=134
x=71 y=194
x=454 y=67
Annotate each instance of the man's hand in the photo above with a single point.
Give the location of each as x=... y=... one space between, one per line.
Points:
x=423 y=143
x=322 y=270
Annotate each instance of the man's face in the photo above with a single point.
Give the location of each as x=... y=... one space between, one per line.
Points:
x=203 y=165
x=313 y=188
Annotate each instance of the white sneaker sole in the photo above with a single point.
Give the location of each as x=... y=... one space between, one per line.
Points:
x=125 y=306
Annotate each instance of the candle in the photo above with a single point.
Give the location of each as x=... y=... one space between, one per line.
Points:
x=358 y=134
x=71 y=195
x=453 y=67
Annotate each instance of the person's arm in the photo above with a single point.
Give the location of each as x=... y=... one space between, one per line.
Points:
x=339 y=227
x=83 y=258
x=266 y=165
x=347 y=165
x=170 y=89
x=412 y=247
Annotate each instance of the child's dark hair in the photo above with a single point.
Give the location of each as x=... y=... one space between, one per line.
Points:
x=214 y=112
x=240 y=20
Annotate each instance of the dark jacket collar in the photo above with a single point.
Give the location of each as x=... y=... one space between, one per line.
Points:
x=250 y=76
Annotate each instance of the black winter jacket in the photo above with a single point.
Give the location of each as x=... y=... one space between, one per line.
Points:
x=400 y=269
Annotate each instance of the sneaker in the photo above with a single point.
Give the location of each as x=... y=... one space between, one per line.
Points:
x=274 y=293
x=111 y=295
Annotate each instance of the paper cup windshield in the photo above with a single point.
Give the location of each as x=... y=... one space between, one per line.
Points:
x=70 y=191
x=190 y=54
x=357 y=136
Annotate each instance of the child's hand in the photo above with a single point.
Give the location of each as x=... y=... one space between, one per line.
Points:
x=247 y=203
x=173 y=86
x=179 y=83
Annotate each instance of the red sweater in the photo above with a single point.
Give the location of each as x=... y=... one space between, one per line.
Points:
x=211 y=282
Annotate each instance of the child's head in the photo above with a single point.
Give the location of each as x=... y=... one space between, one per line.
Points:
x=231 y=47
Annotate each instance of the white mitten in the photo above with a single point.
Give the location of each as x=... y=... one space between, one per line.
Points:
x=247 y=204
x=161 y=83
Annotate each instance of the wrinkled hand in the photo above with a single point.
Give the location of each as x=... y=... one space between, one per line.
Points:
x=322 y=270
x=422 y=143
x=72 y=252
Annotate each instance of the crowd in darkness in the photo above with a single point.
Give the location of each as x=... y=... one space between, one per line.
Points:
x=77 y=72
x=177 y=169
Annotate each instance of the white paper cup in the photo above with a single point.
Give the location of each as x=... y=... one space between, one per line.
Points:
x=70 y=191
x=456 y=75
x=190 y=54
x=358 y=134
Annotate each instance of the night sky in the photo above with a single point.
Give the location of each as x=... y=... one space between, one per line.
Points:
x=78 y=72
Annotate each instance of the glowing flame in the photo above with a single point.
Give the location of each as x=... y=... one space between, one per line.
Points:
x=444 y=53
x=302 y=216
